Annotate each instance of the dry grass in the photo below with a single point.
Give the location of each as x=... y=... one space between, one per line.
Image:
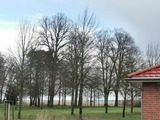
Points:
x=63 y=113
x=44 y=116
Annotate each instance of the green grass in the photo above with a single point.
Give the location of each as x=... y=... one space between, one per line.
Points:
x=59 y=113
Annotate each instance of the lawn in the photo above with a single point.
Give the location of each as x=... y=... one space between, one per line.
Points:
x=59 y=113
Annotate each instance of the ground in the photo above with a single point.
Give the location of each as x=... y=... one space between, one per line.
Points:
x=63 y=113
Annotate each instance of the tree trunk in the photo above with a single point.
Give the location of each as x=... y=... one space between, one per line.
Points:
x=38 y=102
x=80 y=101
x=2 y=86
x=98 y=98
x=72 y=102
x=48 y=102
x=94 y=97
x=30 y=101
x=59 y=100
x=132 y=100
x=65 y=90
x=51 y=100
x=42 y=100
x=21 y=92
x=87 y=99
x=52 y=83
x=106 y=101
x=62 y=98
x=30 y=79
x=65 y=100
x=20 y=103
x=76 y=96
x=116 y=98
x=35 y=101
x=91 y=97
x=81 y=89
x=1 y=95
x=124 y=106
x=59 y=97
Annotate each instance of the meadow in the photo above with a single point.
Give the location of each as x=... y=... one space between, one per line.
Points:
x=63 y=113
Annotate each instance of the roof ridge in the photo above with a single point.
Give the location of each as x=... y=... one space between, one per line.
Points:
x=142 y=71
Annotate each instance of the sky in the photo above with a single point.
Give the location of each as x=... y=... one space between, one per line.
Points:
x=140 y=18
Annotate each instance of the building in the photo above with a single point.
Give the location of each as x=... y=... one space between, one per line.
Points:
x=149 y=78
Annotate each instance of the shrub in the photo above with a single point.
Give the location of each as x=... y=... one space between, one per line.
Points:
x=137 y=103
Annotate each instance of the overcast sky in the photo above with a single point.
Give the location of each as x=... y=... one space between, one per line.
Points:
x=141 y=18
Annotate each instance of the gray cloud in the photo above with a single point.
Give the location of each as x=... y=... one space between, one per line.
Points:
x=141 y=18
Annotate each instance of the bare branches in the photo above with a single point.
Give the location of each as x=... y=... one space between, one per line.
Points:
x=71 y=58
x=54 y=31
x=53 y=36
x=153 y=54
x=26 y=37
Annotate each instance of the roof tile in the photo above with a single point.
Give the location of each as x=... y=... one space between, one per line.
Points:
x=153 y=71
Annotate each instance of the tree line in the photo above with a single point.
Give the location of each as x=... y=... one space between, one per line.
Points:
x=61 y=57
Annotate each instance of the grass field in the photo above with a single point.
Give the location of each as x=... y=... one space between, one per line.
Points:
x=59 y=113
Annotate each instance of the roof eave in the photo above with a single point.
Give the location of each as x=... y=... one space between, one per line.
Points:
x=141 y=71
x=143 y=79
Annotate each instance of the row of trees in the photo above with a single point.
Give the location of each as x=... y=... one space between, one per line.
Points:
x=61 y=57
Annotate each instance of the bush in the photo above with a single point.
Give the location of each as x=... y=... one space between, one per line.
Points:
x=137 y=103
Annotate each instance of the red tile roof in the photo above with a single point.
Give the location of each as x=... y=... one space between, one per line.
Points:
x=150 y=72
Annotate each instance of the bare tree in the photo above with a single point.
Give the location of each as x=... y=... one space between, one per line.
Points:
x=4 y=70
x=93 y=84
x=85 y=39
x=132 y=62
x=72 y=55
x=79 y=56
x=26 y=35
x=153 y=54
x=107 y=59
x=124 y=43
x=37 y=76
x=53 y=36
